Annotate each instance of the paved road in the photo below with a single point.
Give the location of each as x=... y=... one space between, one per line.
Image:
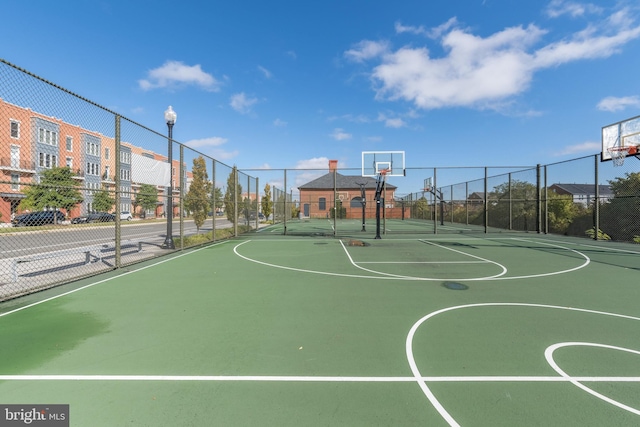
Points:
x=25 y=242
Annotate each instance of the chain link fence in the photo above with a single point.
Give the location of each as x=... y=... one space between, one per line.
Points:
x=84 y=190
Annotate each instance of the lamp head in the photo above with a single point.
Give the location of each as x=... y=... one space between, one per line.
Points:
x=170 y=116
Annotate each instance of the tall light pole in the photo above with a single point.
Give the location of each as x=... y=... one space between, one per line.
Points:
x=170 y=116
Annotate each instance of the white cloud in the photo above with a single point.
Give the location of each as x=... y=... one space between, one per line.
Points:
x=267 y=73
x=314 y=163
x=557 y=8
x=312 y=169
x=340 y=135
x=585 y=147
x=279 y=123
x=391 y=122
x=213 y=141
x=212 y=147
x=176 y=73
x=409 y=29
x=367 y=49
x=612 y=103
x=484 y=72
x=241 y=103
x=220 y=154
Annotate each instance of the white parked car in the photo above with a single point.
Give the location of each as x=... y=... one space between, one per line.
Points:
x=126 y=215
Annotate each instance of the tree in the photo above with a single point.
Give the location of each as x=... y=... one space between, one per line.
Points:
x=518 y=196
x=197 y=199
x=102 y=201
x=421 y=209
x=57 y=190
x=561 y=212
x=266 y=202
x=618 y=217
x=233 y=193
x=147 y=197
x=218 y=199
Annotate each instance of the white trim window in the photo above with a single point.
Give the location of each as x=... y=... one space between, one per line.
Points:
x=48 y=137
x=69 y=142
x=15 y=181
x=93 y=169
x=15 y=129
x=93 y=149
x=70 y=162
x=47 y=161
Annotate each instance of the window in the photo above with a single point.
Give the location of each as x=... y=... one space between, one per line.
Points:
x=15 y=129
x=47 y=161
x=106 y=172
x=69 y=143
x=47 y=137
x=125 y=174
x=322 y=203
x=69 y=162
x=15 y=181
x=93 y=148
x=106 y=153
x=15 y=156
x=125 y=157
x=93 y=169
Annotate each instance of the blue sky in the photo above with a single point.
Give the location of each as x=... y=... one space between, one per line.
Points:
x=285 y=84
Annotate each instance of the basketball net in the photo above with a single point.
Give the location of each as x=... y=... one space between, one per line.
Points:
x=618 y=154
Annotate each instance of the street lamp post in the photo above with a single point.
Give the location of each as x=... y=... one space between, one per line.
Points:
x=170 y=116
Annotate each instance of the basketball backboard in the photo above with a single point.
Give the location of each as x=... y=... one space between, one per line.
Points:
x=373 y=162
x=622 y=137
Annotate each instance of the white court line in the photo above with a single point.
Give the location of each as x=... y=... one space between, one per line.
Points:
x=329 y=379
x=422 y=262
x=385 y=276
x=109 y=279
x=398 y=276
x=423 y=384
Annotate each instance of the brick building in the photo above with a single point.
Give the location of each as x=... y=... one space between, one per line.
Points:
x=318 y=198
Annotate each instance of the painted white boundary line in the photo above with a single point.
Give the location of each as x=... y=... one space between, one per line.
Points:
x=267 y=378
x=387 y=276
x=110 y=278
x=423 y=384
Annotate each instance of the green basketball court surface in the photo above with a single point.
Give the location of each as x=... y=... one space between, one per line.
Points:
x=339 y=328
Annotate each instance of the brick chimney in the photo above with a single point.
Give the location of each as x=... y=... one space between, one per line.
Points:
x=333 y=165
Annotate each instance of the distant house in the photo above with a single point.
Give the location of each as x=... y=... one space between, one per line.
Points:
x=317 y=196
x=583 y=193
x=476 y=198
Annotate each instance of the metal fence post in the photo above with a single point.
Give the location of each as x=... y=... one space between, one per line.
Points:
x=538 y=204
x=596 y=202
x=214 y=214
x=118 y=236
x=486 y=200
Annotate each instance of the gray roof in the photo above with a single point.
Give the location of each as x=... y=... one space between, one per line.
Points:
x=576 y=189
x=343 y=182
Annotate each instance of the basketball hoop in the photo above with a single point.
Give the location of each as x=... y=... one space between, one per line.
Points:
x=384 y=172
x=618 y=153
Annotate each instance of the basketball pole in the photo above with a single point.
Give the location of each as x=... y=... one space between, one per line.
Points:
x=379 y=187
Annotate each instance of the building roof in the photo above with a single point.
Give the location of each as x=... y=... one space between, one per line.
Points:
x=343 y=182
x=576 y=189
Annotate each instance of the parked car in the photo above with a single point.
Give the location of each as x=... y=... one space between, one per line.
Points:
x=38 y=218
x=101 y=217
x=126 y=215
x=80 y=219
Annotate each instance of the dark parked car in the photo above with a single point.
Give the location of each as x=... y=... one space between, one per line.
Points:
x=101 y=217
x=38 y=218
x=80 y=219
